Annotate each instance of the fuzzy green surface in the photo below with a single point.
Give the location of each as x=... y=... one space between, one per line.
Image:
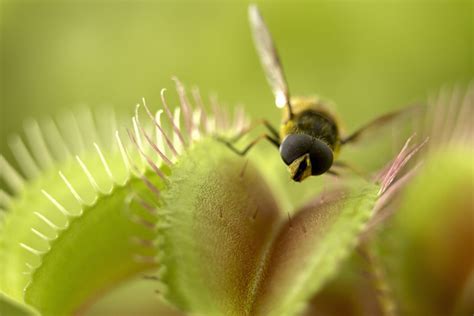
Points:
x=228 y=249
x=221 y=216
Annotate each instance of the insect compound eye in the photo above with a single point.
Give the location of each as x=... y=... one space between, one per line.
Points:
x=295 y=146
x=321 y=157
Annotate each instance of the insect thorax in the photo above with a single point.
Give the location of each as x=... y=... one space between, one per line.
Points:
x=316 y=124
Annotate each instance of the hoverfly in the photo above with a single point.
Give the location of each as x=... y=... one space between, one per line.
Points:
x=309 y=139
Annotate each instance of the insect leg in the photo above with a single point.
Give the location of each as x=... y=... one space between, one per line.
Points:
x=267 y=124
x=244 y=151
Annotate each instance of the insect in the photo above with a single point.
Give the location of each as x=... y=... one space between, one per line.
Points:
x=309 y=139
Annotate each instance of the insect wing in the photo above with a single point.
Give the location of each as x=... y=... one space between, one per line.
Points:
x=387 y=120
x=269 y=58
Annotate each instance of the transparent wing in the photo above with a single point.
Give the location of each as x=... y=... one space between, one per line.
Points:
x=269 y=58
x=390 y=120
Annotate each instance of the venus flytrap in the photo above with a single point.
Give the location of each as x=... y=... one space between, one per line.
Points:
x=80 y=217
x=229 y=249
x=164 y=195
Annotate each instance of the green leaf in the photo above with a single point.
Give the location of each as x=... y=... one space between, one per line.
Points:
x=228 y=249
x=427 y=249
x=97 y=251
x=221 y=218
x=82 y=217
x=75 y=227
x=310 y=247
x=207 y=217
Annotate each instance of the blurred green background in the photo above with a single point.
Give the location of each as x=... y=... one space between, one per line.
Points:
x=367 y=56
